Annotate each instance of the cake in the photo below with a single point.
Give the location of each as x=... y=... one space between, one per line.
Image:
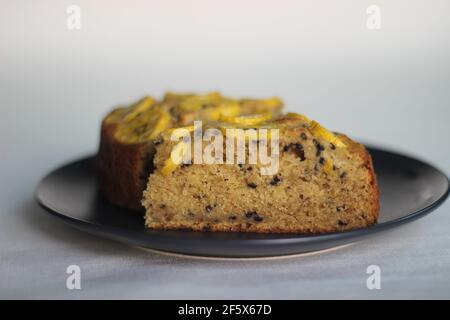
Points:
x=322 y=181
x=129 y=135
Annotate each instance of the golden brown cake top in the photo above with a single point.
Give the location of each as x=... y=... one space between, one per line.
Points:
x=291 y=126
x=148 y=119
x=145 y=119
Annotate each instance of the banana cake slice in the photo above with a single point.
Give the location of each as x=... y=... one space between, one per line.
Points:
x=323 y=181
x=129 y=136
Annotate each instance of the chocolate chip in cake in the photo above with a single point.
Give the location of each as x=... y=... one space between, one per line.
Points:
x=304 y=136
x=251 y=185
x=297 y=148
x=249 y=168
x=332 y=146
x=299 y=151
x=343 y=175
x=319 y=147
x=232 y=217
x=253 y=215
x=209 y=208
x=322 y=160
x=341 y=223
x=275 y=181
x=250 y=214
x=257 y=218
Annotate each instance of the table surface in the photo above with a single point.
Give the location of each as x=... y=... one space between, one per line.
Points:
x=388 y=87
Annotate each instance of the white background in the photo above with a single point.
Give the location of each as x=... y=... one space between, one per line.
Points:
x=388 y=87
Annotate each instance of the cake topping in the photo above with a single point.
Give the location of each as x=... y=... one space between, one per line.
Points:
x=176 y=158
x=146 y=119
x=320 y=132
x=248 y=120
x=138 y=108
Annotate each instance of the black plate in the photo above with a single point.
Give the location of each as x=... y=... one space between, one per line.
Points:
x=409 y=190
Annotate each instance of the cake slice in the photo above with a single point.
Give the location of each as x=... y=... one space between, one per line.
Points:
x=129 y=136
x=324 y=182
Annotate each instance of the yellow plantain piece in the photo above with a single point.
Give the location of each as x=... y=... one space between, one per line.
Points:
x=176 y=158
x=319 y=131
x=248 y=120
x=298 y=116
x=161 y=122
x=137 y=109
x=178 y=134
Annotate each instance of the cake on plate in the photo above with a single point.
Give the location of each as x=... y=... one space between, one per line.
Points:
x=214 y=163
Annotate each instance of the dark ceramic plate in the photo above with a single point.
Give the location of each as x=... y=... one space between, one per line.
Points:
x=409 y=190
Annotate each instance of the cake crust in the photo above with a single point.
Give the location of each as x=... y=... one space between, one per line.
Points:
x=122 y=168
